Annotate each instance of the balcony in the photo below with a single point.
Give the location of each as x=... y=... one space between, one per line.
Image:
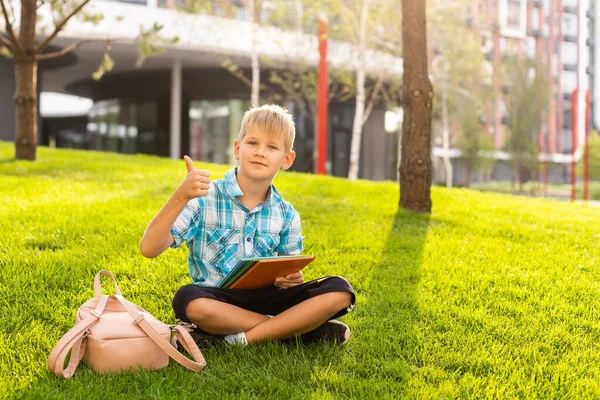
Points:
x=589 y=71
x=590 y=42
x=535 y=33
x=590 y=14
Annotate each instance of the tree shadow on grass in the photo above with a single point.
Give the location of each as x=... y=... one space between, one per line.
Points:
x=386 y=321
x=385 y=349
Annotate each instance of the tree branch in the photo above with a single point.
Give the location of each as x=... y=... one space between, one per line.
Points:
x=72 y=47
x=7 y=44
x=351 y=21
x=60 y=26
x=11 y=33
x=333 y=89
x=372 y=100
x=241 y=77
x=306 y=97
x=312 y=107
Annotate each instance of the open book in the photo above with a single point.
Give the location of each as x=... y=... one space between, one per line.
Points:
x=256 y=273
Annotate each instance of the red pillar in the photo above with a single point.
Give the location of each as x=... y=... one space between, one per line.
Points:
x=586 y=176
x=573 y=140
x=322 y=96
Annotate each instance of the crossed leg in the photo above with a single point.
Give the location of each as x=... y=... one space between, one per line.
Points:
x=219 y=318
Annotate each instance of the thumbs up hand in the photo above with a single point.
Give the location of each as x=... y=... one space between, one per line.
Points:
x=196 y=182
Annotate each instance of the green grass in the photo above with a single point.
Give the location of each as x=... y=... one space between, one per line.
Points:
x=490 y=296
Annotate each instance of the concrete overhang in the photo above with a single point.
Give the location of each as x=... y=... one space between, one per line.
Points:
x=204 y=41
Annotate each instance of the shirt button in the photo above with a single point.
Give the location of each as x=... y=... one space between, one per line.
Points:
x=248 y=239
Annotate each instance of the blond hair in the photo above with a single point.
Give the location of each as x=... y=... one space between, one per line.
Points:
x=274 y=120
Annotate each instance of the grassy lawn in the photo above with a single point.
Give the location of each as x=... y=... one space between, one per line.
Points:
x=490 y=296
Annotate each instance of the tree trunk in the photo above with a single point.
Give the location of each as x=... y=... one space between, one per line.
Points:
x=468 y=174
x=26 y=110
x=521 y=176
x=360 y=95
x=26 y=86
x=357 y=125
x=417 y=96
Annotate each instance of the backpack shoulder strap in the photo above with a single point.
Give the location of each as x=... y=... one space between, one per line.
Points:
x=73 y=341
x=197 y=364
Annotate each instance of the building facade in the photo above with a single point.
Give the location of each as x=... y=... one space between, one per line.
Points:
x=561 y=36
x=185 y=101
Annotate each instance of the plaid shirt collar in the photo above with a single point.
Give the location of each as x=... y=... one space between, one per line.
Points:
x=232 y=187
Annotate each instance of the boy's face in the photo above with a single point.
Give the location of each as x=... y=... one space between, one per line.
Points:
x=262 y=155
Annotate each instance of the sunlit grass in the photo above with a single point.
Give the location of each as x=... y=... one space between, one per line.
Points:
x=490 y=296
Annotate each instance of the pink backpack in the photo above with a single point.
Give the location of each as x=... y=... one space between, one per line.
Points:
x=113 y=334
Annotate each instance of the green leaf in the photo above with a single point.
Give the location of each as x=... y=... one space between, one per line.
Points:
x=98 y=74
x=107 y=63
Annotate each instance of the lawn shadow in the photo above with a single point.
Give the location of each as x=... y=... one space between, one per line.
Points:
x=387 y=319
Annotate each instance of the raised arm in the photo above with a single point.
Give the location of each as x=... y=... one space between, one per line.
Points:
x=157 y=237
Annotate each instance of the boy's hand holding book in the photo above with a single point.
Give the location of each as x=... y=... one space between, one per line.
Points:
x=196 y=182
x=290 y=280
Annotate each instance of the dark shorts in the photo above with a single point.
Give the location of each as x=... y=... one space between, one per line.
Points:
x=268 y=301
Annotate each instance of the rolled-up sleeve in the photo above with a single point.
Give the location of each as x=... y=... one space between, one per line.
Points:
x=291 y=240
x=187 y=223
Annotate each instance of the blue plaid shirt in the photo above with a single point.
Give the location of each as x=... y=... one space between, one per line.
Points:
x=219 y=230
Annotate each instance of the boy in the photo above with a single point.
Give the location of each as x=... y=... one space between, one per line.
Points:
x=243 y=215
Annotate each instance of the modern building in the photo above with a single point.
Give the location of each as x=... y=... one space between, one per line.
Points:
x=560 y=34
x=185 y=101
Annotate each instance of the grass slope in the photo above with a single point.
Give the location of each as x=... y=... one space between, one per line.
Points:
x=490 y=296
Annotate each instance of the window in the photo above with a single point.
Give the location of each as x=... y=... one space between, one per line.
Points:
x=535 y=19
x=531 y=47
x=569 y=53
x=568 y=81
x=513 y=18
x=125 y=127
x=214 y=125
x=486 y=42
x=569 y=24
x=513 y=15
x=555 y=70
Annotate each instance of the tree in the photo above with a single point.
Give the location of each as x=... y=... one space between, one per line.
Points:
x=463 y=77
x=594 y=157
x=299 y=84
x=361 y=24
x=527 y=101
x=227 y=9
x=297 y=80
x=364 y=23
x=476 y=148
x=417 y=97
x=23 y=41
